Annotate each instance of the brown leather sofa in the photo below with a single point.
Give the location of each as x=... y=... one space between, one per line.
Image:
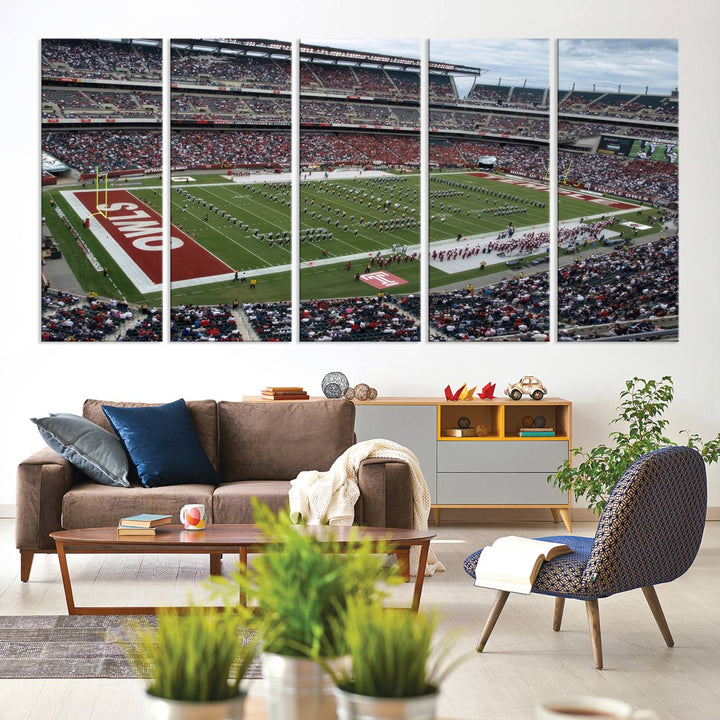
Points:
x=256 y=448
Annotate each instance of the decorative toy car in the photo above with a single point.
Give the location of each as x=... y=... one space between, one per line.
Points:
x=526 y=385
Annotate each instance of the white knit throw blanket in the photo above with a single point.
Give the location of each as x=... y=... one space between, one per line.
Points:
x=329 y=497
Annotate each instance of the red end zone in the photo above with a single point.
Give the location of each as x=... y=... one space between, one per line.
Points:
x=137 y=229
x=576 y=194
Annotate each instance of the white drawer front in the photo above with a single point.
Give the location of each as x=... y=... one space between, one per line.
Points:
x=529 y=488
x=510 y=456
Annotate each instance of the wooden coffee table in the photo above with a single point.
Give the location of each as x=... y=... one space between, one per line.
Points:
x=214 y=541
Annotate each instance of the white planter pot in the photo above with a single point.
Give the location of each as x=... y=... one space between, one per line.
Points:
x=161 y=709
x=364 y=707
x=296 y=689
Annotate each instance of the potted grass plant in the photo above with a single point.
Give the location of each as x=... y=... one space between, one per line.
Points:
x=301 y=586
x=395 y=668
x=195 y=660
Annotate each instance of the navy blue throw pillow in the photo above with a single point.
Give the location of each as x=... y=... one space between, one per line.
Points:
x=162 y=443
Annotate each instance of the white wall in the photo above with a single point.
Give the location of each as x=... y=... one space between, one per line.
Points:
x=37 y=379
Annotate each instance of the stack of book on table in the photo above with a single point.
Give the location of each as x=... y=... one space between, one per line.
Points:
x=284 y=393
x=536 y=432
x=143 y=524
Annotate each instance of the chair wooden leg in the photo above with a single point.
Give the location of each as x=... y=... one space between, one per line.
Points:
x=26 y=561
x=500 y=600
x=593 y=615
x=557 y=615
x=654 y=603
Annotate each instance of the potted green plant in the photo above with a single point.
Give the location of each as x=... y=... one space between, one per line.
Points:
x=395 y=669
x=195 y=659
x=301 y=586
x=642 y=407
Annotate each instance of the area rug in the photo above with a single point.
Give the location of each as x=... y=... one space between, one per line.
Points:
x=68 y=646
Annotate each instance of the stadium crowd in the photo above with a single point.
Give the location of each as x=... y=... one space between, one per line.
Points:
x=516 y=308
x=101 y=59
x=86 y=150
x=356 y=319
x=213 y=324
x=637 y=284
x=69 y=318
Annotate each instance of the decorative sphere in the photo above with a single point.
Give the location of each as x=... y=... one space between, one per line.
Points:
x=349 y=393
x=481 y=430
x=332 y=390
x=373 y=394
x=527 y=421
x=362 y=391
x=464 y=422
x=334 y=378
x=539 y=421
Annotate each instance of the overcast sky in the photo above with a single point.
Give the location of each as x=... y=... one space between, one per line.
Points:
x=606 y=63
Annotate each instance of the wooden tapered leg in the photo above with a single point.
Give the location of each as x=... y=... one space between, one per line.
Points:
x=500 y=600
x=556 y=515
x=565 y=515
x=436 y=514
x=26 y=561
x=593 y=615
x=557 y=615
x=654 y=603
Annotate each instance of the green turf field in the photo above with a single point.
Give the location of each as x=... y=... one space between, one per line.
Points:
x=352 y=219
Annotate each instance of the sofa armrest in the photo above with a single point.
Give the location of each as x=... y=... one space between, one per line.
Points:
x=42 y=480
x=386 y=493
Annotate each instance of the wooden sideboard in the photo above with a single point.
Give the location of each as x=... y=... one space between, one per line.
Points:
x=498 y=470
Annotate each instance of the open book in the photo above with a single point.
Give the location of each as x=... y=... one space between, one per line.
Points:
x=512 y=563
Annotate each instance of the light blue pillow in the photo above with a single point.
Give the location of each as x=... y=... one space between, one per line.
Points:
x=163 y=444
x=98 y=453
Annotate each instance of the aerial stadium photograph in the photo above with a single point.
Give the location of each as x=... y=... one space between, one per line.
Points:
x=360 y=201
x=101 y=190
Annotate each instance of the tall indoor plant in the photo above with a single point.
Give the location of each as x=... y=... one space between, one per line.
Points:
x=395 y=667
x=642 y=407
x=195 y=659
x=302 y=586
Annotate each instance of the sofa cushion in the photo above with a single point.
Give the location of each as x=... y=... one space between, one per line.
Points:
x=90 y=505
x=278 y=440
x=232 y=501
x=98 y=453
x=162 y=443
x=202 y=412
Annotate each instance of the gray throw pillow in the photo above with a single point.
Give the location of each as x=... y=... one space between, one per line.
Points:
x=98 y=453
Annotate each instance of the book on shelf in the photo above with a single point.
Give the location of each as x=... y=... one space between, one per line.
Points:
x=460 y=432
x=145 y=520
x=525 y=432
x=512 y=563
x=129 y=530
x=284 y=393
x=285 y=396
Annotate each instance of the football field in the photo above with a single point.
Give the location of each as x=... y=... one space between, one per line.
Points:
x=220 y=226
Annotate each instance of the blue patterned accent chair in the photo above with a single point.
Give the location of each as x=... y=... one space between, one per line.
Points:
x=649 y=533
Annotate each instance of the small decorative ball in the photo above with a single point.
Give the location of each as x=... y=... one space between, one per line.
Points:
x=373 y=394
x=481 y=430
x=333 y=390
x=334 y=378
x=463 y=422
x=527 y=421
x=362 y=391
x=349 y=393
x=539 y=421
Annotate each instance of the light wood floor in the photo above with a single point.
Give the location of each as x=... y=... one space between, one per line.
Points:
x=524 y=659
